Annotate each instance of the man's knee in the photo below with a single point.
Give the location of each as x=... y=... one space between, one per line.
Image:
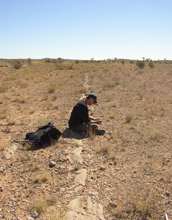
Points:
x=79 y=128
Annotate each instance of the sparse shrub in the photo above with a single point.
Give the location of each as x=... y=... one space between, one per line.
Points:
x=108 y=150
x=65 y=67
x=128 y=117
x=157 y=136
x=41 y=178
x=123 y=62
x=54 y=97
x=19 y=100
x=138 y=205
x=29 y=61
x=51 y=88
x=116 y=80
x=131 y=61
x=38 y=206
x=16 y=64
x=3 y=87
x=47 y=60
x=170 y=73
x=3 y=65
x=42 y=205
x=3 y=114
x=140 y=64
x=140 y=94
x=33 y=164
x=151 y=65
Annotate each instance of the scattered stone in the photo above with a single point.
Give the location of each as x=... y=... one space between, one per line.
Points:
x=30 y=218
x=167 y=193
x=115 y=162
x=10 y=151
x=62 y=167
x=1 y=188
x=76 y=157
x=2 y=168
x=81 y=177
x=52 y=164
x=35 y=214
x=102 y=168
x=112 y=204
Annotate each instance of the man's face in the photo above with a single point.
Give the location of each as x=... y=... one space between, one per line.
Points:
x=91 y=101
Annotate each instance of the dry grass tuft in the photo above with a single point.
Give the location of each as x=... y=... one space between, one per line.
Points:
x=108 y=150
x=3 y=114
x=137 y=205
x=51 y=88
x=3 y=87
x=33 y=164
x=157 y=136
x=39 y=206
x=41 y=178
x=19 y=100
x=128 y=117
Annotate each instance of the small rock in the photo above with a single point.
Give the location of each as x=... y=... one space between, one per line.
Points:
x=1 y=188
x=113 y=204
x=62 y=167
x=52 y=163
x=102 y=168
x=35 y=214
x=115 y=162
x=2 y=169
x=167 y=193
x=30 y=218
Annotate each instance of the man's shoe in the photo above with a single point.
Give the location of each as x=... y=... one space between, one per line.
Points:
x=100 y=132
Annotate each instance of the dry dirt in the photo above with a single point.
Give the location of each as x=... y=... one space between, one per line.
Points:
x=125 y=174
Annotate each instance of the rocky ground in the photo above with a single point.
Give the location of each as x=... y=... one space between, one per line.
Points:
x=125 y=174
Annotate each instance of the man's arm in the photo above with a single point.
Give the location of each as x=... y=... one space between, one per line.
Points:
x=94 y=120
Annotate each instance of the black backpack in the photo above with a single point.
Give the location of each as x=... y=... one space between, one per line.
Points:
x=44 y=134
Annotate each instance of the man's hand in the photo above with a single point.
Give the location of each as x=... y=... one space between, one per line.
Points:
x=99 y=121
x=96 y=121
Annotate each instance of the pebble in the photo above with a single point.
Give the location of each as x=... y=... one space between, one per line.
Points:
x=113 y=204
x=102 y=168
x=35 y=214
x=115 y=162
x=52 y=164
x=167 y=193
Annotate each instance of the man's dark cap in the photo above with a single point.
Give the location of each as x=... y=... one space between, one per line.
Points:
x=92 y=95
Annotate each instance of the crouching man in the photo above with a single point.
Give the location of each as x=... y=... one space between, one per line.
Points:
x=80 y=121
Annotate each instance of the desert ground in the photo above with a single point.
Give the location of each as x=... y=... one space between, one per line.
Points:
x=124 y=174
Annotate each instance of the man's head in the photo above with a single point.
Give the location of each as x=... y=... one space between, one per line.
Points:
x=91 y=99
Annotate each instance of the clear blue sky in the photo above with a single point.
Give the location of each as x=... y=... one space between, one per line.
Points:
x=85 y=29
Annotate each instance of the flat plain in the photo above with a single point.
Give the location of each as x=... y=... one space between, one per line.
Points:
x=128 y=169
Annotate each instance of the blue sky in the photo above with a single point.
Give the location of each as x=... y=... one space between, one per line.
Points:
x=85 y=29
